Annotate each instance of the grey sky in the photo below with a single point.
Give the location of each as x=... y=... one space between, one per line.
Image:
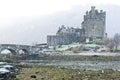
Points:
x=30 y=28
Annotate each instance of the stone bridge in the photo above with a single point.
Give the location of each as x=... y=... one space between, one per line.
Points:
x=15 y=49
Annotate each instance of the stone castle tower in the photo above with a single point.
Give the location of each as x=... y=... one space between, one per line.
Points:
x=94 y=24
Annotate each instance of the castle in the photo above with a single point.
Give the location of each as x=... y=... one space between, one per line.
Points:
x=92 y=28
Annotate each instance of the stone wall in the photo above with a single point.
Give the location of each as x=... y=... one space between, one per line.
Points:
x=94 y=24
x=61 y=39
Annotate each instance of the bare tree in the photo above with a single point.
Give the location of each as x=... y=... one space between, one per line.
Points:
x=116 y=40
x=106 y=41
x=110 y=43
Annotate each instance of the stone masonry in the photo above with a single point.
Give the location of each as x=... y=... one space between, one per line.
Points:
x=94 y=24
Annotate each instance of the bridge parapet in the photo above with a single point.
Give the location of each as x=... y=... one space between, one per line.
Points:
x=16 y=48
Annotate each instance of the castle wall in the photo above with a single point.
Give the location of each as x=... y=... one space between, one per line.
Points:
x=52 y=40
x=61 y=39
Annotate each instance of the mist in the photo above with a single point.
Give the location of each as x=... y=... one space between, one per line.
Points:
x=34 y=29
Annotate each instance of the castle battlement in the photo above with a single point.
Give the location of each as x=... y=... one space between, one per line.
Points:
x=94 y=14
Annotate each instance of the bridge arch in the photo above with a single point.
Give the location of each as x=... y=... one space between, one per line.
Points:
x=8 y=51
x=23 y=51
x=18 y=49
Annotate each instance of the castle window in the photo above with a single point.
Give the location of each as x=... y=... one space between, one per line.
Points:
x=93 y=26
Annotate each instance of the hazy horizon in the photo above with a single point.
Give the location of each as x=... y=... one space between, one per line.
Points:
x=34 y=28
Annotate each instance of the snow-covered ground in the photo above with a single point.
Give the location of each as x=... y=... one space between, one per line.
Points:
x=94 y=53
x=86 y=53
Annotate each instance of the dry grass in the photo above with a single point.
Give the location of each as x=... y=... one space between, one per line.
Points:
x=54 y=73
